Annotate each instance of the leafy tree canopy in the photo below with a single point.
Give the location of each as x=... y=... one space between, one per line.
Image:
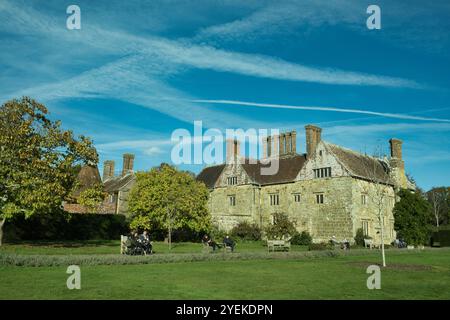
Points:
x=164 y=196
x=37 y=159
x=92 y=197
x=412 y=216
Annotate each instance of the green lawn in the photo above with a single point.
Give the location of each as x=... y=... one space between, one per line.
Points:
x=410 y=275
x=113 y=247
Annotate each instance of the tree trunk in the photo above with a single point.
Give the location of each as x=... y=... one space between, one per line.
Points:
x=382 y=240
x=170 y=236
x=2 y=222
x=170 y=229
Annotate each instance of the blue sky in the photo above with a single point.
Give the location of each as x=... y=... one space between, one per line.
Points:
x=136 y=71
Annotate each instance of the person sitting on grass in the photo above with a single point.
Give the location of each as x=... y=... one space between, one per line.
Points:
x=228 y=242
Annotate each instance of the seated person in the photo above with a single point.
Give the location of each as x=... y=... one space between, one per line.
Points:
x=208 y=241
x=228 y=242
x=144 y=241
x=345 y=244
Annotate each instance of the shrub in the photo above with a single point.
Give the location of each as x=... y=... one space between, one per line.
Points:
x=303 y=239
x=246 y=231
x=216 y=233
x=281 y=227
x=359 y=238
x=411 y=216
x=442 y=237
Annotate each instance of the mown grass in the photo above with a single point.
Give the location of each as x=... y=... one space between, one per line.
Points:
x=38 y=271
x=338 y=277
x=113 y=247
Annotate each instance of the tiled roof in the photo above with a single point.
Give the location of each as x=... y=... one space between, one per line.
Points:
x=289 y=166
x=288 y=169
x=117 y=183
x=86 y=177
x=209 y=175
x=360 y=165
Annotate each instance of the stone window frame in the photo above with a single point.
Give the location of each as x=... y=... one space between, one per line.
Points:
x=365 y=226
x=364 y=198
x=320 y=197
x=297 y=197
x=232 y=200
x=321 y=173
x=274 y=199
x=231 y=181
x=112 y=197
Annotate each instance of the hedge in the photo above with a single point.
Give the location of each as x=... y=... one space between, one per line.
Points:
x=442 y=237
x=65 y=226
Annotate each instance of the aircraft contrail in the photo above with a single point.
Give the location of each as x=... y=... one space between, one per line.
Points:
x=316 y=108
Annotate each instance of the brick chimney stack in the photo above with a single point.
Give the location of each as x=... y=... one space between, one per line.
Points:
x=313 y=137
x=128 y=161
x=397 y=164
x=294 y=141
x=233 y=151
x=108 y=169
x=283 y=144
x=396 y=148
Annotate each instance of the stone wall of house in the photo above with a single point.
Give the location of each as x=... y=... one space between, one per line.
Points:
x=378 y=198
x=341 y=214
x=321 y=220
x=225 y=215
x=232 y=170
x=322 y=158
x=123 y=196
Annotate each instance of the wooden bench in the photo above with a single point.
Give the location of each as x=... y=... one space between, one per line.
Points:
x=278 y=245
x=368 y=243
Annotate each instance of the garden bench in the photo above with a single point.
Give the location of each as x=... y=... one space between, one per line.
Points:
x=278 y=245
x=368 y=243
x=124 y=243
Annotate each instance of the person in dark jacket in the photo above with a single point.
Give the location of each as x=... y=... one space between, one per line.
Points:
x=208 y=241
x=228 y=242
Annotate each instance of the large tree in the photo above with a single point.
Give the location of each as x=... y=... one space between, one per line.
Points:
x=412 y=216
x=37 y=160
x=167 y=199
x=440 y=200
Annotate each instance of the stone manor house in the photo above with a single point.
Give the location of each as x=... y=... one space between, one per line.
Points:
x=116 y=186
x=329 y=191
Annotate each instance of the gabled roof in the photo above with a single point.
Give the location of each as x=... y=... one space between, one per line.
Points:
x=209 y=175
x=117 y=183
x=360 y=165
x=86 y=178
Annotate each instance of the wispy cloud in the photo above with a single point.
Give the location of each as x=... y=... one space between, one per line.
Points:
x=285 y=17
x=316 y=108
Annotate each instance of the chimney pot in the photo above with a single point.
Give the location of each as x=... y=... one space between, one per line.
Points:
x=396 y=148
x=233 y=149
x=313 y=137
x=294 y=141
x=108 y=169
x=128 y=162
